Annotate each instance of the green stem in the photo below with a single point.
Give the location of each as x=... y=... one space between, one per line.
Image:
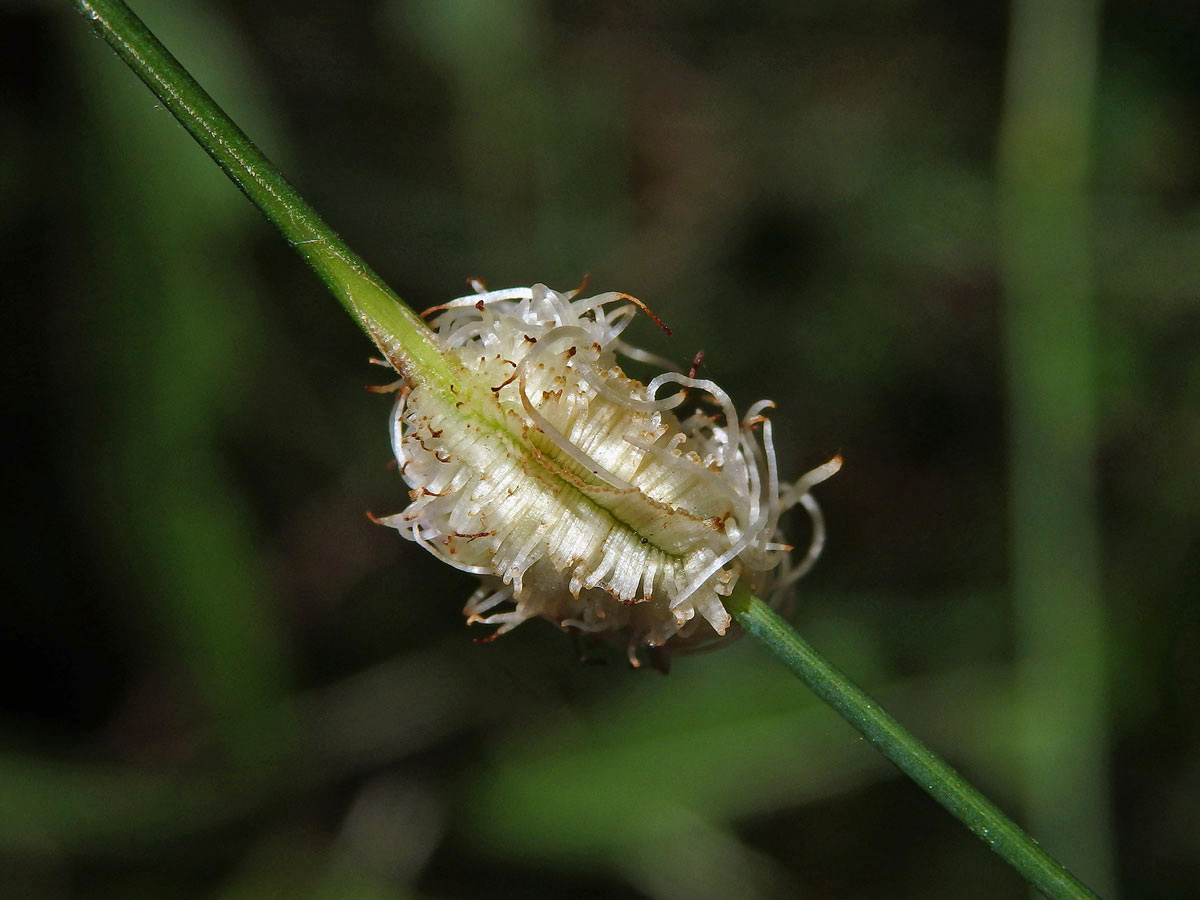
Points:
x=396 y=330
x=931 y=773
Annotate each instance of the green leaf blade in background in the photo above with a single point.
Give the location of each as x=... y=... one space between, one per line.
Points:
x=177 y=350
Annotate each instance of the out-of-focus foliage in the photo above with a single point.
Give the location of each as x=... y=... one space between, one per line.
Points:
x=221 y=680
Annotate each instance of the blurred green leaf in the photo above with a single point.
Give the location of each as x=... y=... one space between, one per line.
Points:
x=175 y=353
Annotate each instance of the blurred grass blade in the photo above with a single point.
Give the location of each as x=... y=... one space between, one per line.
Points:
x=167 y=371
x=1045 y=155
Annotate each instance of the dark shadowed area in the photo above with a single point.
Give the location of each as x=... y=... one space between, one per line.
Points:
x=957 y=243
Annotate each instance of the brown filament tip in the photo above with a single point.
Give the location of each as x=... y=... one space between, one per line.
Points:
x=644 y=308
x=582 y=286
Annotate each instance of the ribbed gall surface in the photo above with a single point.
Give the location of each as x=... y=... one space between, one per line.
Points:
x=577 y=493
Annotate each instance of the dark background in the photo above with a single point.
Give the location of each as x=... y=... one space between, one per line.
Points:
x=219 y=679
